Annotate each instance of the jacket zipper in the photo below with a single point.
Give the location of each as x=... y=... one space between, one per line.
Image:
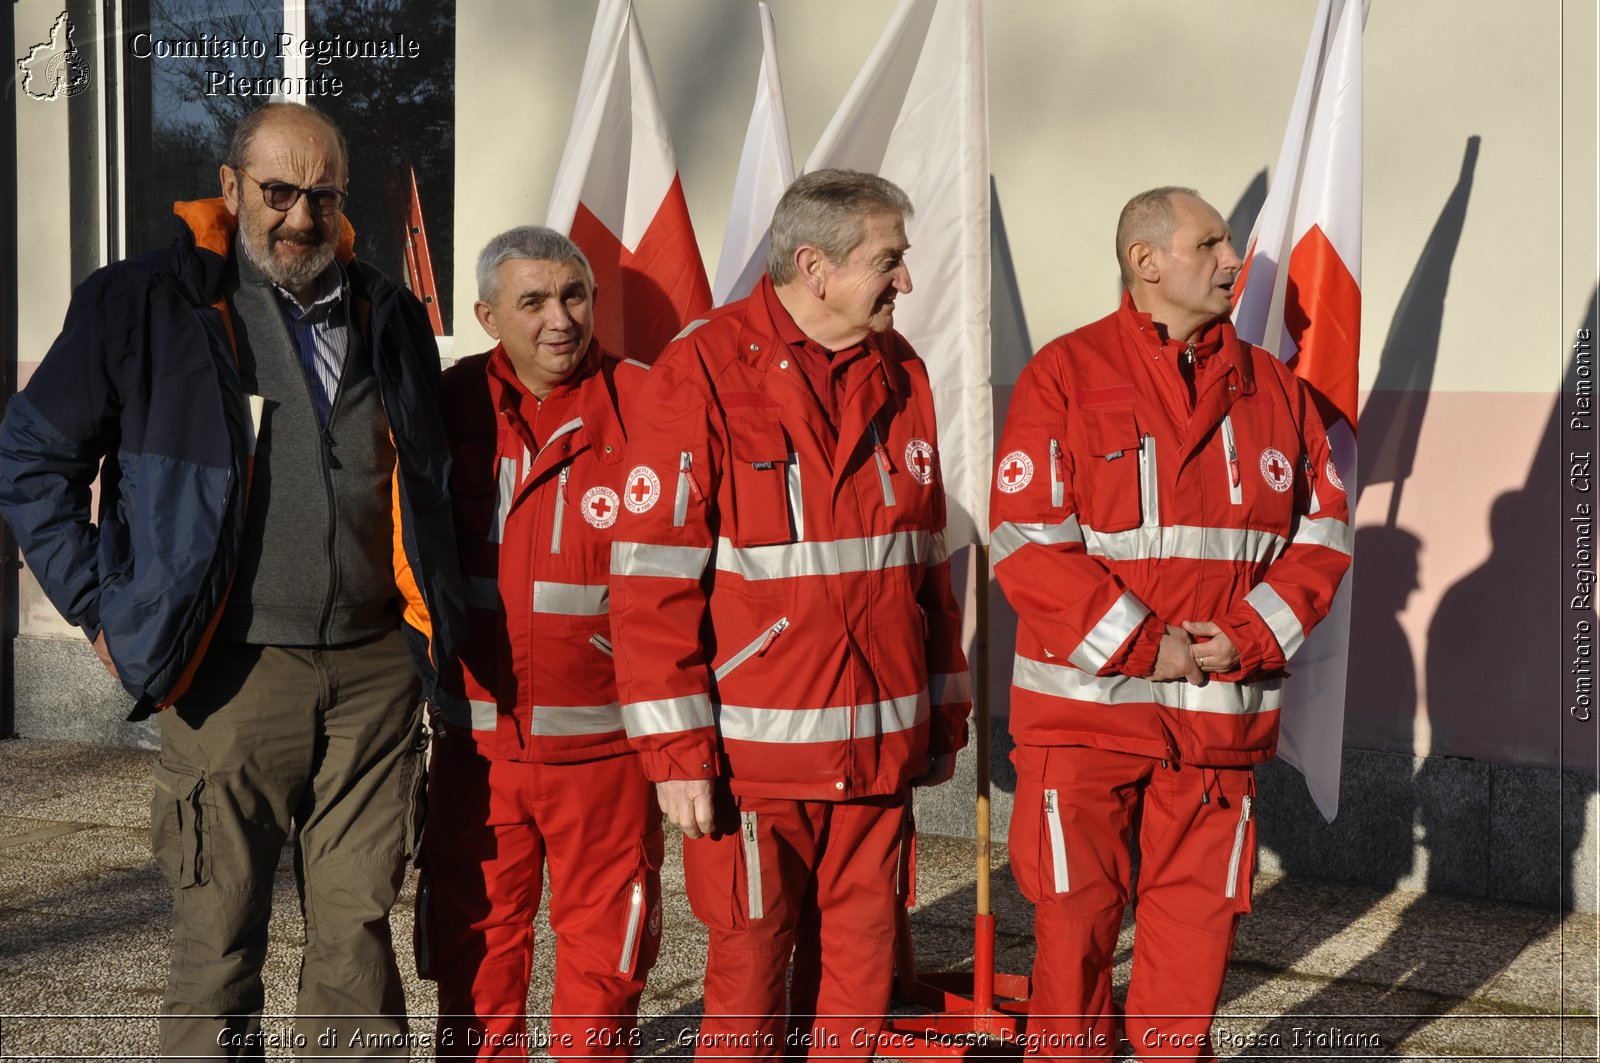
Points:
x=755 y=903
x=631 y=939
x=1238 y=848
x=1058 y=483
x=326 y=626
x=759 y=646
x=561 y=509
x=1231 y=452
x=1149 y=490
x=601 y=643
x=1058 y=840
x=686 y=486
x=884 y=467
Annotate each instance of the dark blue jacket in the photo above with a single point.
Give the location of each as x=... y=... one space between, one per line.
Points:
x=141 y=388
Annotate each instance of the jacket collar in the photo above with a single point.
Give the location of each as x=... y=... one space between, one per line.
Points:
x=1216 y=339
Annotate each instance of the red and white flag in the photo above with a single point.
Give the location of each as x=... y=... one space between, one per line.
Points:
x=1300 y=297
x=617 y=194
x=766 y=168
x=918 y=114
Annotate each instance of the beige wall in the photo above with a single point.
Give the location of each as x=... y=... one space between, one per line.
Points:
x=1090 y=101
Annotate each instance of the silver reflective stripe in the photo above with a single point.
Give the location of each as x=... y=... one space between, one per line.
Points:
x=1187 y=541
x=571 y=599
x=631 y=938
x=949 y=688
x=1064 y=681
x=680 y=503
x=759 y=643
x=1238 y=848
x=797 y=508
x=505 y=491
x=1058 y=839
x=1230 y=454
x=483 y=593
x=840 y=724
x=1329 y=531
x=601 y=643
x=566 y=721
x=571 y=426
x=458 y=711
x=1149 y=486
x=752 y=866
x=1058 y=486
x=1112 y=630
x=824 y=558
x=667 y=715
x=1009 y=537
x=690 y=327
x=561 y=509
x=651 y=559
x=938 y=551
x=1279 y=618
x=881 y=461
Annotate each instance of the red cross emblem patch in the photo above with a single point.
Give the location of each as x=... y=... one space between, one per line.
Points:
x=919 y=461
x=1014 y=472
x=642 y=489
x=600 y=506
x=1331 y=471
x=1276 y=470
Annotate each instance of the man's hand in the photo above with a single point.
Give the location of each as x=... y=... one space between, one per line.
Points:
x=1217 y=653
x=1174 y=659
x=687 y=804
x=102 y=651
x=940 y=769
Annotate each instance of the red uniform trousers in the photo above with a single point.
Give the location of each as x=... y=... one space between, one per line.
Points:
x=492 y=826
x=817 y=880
x=1070 y=828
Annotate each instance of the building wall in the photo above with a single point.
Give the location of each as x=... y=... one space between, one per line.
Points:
x=1479 y=267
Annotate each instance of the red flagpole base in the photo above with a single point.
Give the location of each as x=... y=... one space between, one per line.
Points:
x=976 y=1013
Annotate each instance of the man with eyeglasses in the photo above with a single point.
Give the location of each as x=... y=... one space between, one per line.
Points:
x=273 y=558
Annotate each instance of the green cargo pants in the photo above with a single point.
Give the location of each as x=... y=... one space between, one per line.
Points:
x=327 y=741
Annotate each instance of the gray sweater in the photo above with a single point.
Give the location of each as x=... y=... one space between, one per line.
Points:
x=317 y=564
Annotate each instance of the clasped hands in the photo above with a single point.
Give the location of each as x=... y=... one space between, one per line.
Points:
x=1182 y=657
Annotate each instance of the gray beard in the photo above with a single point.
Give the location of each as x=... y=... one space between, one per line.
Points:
x=295 y=276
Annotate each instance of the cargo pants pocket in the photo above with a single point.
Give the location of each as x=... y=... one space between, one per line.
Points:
x=177 y=828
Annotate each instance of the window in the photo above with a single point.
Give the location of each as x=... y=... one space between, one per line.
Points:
x=384 y=70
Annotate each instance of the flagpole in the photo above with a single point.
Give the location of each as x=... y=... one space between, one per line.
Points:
x=983 y=944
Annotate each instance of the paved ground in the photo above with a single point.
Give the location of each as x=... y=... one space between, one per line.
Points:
x=1322 y=970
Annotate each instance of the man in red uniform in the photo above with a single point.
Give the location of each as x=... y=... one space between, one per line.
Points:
x=788 y=654
x=1169 y=525
x=531 y=765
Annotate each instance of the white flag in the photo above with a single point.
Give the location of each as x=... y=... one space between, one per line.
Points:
x=766 y=168
x=918 y=114
x=1300 y=298
x=618 y=195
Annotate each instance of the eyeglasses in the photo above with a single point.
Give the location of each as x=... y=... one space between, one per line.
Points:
x=282 y=196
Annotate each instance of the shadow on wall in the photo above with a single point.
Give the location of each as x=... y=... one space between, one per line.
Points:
x=1373 y=838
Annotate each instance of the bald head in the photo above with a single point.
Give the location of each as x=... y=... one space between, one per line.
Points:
x=286 y=117
x=1149 y=217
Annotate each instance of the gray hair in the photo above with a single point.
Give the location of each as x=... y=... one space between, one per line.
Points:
x=827 y=210
x=533 y=242
x=245 y=133
x=1149 y=217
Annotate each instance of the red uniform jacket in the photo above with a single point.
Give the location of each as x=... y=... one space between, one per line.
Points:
x=781 y=600
x=534 y=524
x=1115 y=510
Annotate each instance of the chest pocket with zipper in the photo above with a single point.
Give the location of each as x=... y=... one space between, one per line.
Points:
x=758 y=460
